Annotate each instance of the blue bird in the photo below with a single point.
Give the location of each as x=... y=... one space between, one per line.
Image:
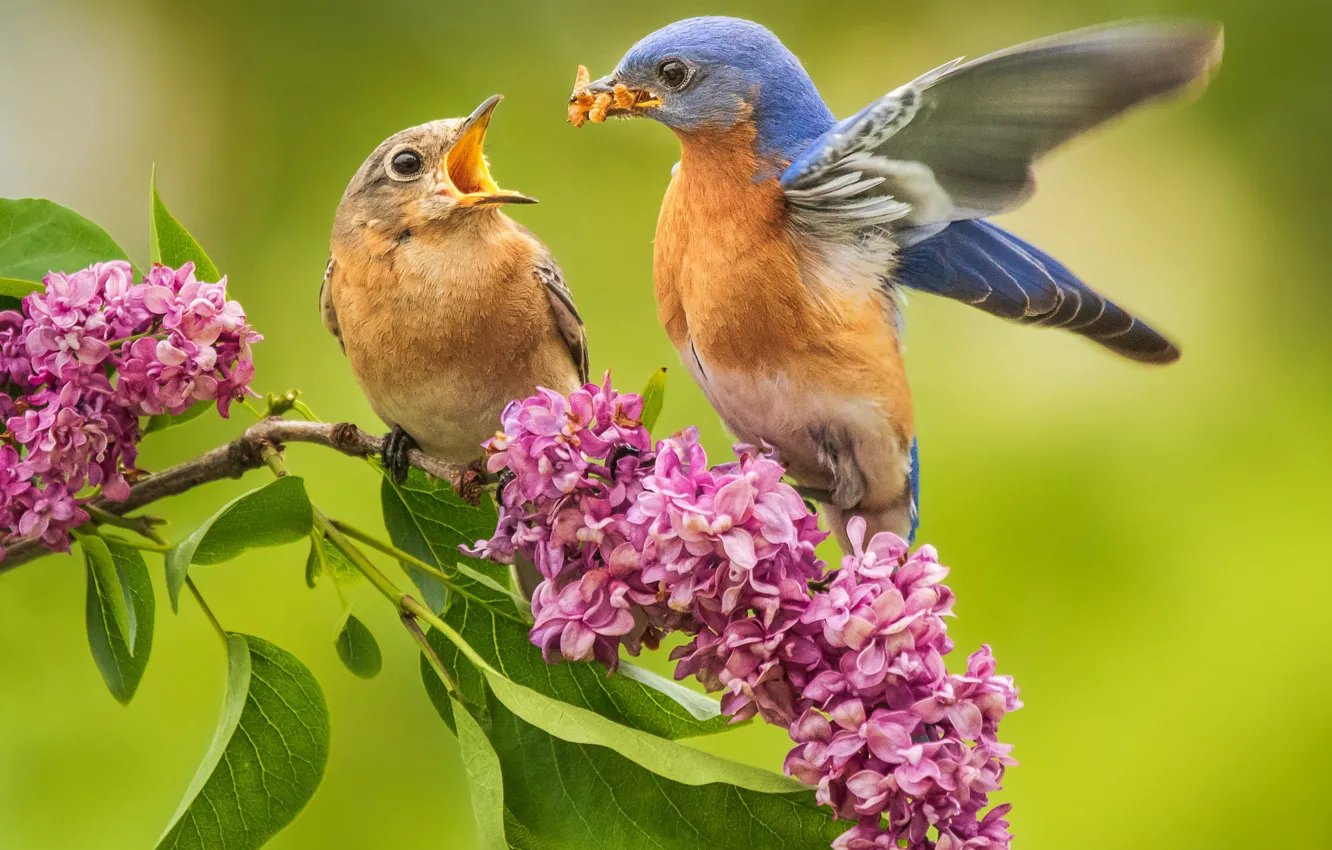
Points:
x=786 y=235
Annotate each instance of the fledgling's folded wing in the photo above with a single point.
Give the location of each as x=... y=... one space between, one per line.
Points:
x=568 y=321
x=327 y=312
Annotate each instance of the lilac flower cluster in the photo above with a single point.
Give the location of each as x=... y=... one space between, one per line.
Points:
x=889 y=734
x=84 y=360
x=635 y=541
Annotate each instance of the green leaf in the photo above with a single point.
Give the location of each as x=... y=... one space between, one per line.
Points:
x=564 y=795
x=634 y=697
x=358 y=649
x=674 y=761
x=120 y=663
x=111 y=593
x=163 y=421
x=38 y=236
x=171 y=244
x=14 y=288
x=267 y=756
x=654 y=396
x=425 y=518
x=484 y=779
x=326 y=559
x=271 y=515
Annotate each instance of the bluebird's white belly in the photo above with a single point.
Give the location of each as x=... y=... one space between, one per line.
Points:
x=789 y=413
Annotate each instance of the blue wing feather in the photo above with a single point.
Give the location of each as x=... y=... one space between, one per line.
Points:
x=981 y=264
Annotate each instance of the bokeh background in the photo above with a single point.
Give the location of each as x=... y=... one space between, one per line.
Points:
x=1147 y=550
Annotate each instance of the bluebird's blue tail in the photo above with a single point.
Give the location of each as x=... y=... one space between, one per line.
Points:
x=985 y=266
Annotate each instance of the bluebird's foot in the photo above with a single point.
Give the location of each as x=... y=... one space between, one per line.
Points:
x=619 y=454
x=506 y=477
x=397 y=443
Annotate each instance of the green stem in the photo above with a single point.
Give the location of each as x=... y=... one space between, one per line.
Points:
x=391 y=550
x=406 y=557
x=135 y=544
x=409 y=608
x=138 y=525
x=358 y=558
x=414 y=628
x=273 y=458
x=421 y=612
x=304 y=409
x=127 y=340
x=208 y=612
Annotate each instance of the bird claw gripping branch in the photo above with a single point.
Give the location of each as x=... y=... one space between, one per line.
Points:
x=584 y=105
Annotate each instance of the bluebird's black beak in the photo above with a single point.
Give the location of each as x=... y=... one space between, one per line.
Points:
x=606 y=98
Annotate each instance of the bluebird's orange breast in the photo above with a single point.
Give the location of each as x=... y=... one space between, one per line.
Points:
x=782 y=355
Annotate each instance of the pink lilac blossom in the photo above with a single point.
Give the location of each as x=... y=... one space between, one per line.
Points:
x=635 y=541
x=87 y=357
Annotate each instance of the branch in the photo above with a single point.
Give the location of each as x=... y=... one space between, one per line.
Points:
x=238 y=457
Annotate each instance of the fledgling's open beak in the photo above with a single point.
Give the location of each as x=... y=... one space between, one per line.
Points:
x=463 y=173
x=605 y=98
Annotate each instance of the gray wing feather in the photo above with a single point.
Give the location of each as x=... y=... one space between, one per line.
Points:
x=327 y=312
x=568 y=321
x=960 y=141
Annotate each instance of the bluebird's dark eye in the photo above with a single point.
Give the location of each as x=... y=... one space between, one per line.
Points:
x=406 y=164
x=673 y=73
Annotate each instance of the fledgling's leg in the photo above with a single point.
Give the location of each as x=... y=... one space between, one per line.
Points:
x=397 y=443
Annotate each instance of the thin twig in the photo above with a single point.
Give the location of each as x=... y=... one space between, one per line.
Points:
x=232 y=460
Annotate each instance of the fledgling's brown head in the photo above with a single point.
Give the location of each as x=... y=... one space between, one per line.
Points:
x=430 y=174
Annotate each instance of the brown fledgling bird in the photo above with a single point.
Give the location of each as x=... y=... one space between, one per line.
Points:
x=446 y=307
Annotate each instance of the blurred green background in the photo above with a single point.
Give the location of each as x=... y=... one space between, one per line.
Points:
x=1147 y=550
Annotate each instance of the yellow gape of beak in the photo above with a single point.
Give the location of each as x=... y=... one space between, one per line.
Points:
x=463 y=173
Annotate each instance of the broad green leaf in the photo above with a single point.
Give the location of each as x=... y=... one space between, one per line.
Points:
x=580 y=725
x=484 y=781
x=634 y=697
x=14 y=288
x=425 y=518
x=675 y=761
x=654 y=396
x=163 y=421
x=120 y=663
x=271 y=515
x=326 y=559
x=564 y=795
x=38 y=236
x=358 y=649
x=267 y=756
x=113 y=596
x=171 y=244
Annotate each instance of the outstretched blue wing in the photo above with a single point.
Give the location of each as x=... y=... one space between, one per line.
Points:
x=983 y=265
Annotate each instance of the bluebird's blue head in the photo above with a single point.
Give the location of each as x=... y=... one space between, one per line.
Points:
x=711 y=73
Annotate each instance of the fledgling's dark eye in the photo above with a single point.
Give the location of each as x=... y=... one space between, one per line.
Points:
x=673 y=73
x=406 y=163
